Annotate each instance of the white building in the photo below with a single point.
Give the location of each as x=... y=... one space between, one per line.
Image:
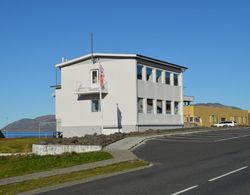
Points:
x=139 y=93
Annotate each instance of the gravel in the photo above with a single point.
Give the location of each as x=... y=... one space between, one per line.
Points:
x=105 y=140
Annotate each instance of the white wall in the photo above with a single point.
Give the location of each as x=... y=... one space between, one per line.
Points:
x=73 y=111
x=120 y=75
x=121 y=78
x=158 y=91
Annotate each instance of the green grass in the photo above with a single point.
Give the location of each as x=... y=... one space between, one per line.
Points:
x=18 y=145
x=19 y=165
x=54 y=180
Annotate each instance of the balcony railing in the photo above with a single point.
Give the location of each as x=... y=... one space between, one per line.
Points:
x=188 y=98
x=83 y=90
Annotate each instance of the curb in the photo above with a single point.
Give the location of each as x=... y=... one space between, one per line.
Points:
x=15 y=154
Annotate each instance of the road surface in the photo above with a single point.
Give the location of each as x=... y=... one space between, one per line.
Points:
x=201 y=163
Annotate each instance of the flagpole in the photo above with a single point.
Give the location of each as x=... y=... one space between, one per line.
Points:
x=100 y=87
x=100 y=95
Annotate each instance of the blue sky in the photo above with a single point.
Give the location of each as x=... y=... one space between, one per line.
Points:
x=211 y=37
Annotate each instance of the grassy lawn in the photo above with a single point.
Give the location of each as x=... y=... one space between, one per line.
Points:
x=19 y=165
x=18 y=145
x=48 y=181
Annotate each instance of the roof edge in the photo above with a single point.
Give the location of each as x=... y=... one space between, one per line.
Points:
x=135 y=56
x=160 y=61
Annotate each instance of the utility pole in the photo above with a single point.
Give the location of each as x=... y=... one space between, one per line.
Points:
x=6 y=127
x=39 y=130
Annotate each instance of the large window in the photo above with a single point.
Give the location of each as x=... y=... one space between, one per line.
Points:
x=149 y=72
x=176 y=107
x=150 y=106
x=158 y=76
x=176 y=80
x=95 y=106
x=140 y=105
x=167 y=78
x=139 y=71
x=159 y=106
x=94 y=76
x=168 y=107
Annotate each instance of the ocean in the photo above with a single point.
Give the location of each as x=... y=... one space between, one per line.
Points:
x=19 y=134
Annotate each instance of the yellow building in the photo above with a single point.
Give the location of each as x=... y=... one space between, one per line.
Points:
x=248 y=117
x=209 y=115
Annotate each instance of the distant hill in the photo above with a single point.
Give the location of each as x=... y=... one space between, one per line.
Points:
x=216 y=105
x=46 y=122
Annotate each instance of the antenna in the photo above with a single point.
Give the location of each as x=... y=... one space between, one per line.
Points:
x=92 y=48
x=56 y=76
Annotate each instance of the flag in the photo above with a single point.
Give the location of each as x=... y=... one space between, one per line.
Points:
x=101 y=76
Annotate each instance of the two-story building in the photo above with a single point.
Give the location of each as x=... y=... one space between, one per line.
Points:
x=138 y=93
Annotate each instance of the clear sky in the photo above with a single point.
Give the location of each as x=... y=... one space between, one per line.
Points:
x=211 y=37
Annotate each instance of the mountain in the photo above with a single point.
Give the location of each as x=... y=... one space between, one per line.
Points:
x=216 y=105
x=46 y=122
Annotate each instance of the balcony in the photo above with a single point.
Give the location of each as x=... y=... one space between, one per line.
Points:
x=188 y=99
x=83 y=90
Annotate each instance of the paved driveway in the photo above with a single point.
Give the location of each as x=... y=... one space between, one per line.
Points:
x=211 y=136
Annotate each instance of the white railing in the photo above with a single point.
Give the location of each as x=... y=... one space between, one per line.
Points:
x=81 y=89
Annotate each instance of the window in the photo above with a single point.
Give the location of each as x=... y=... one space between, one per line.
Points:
x=159 y=106
x=95 y=106
x=167 y=78
x=176 y=82
x=140 y=105
x=158 y=76
x=94 y=76
x=139 y=71
x=223 y=119
x=176 y=107
x=197 y=119
x=168 y=107
x=149 y=72
x=150 y=107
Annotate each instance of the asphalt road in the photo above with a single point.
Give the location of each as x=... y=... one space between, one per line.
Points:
x=201 y=163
